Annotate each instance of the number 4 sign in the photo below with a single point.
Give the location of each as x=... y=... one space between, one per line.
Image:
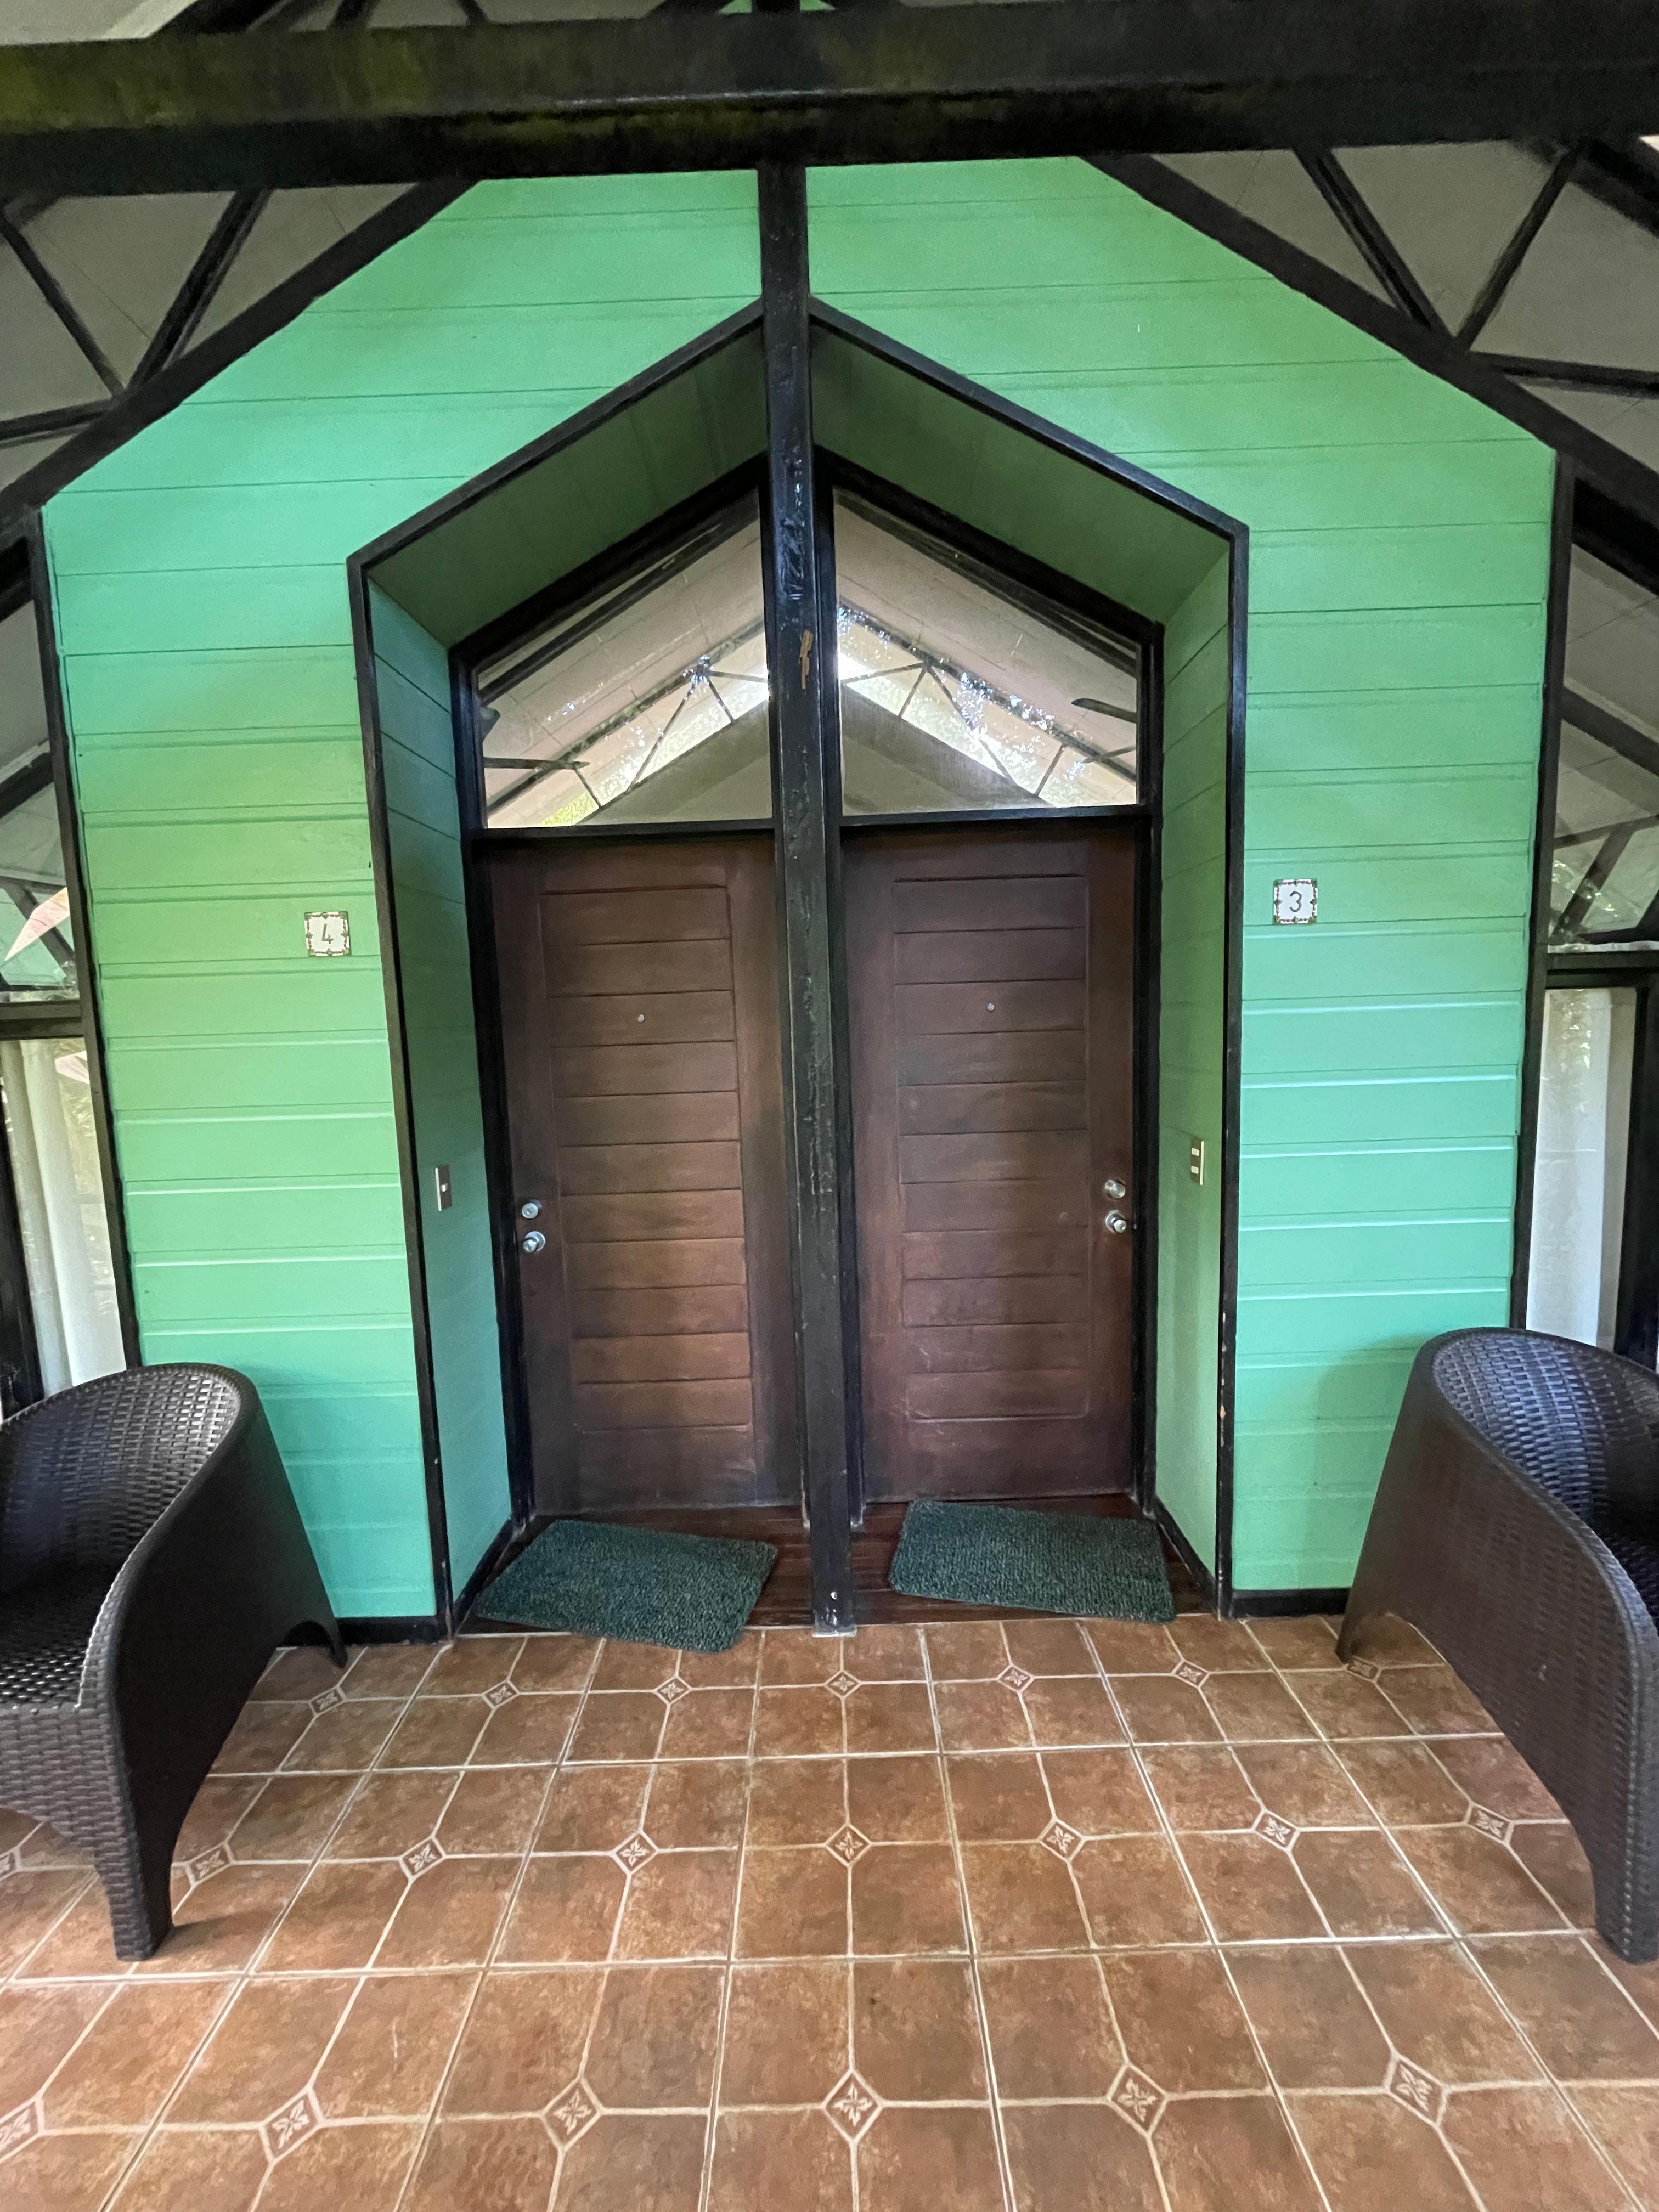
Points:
x=328 y=936
x=1296 y=898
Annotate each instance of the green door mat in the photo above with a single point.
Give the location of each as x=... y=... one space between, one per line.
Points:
x=1110 y=1570
x=642 y=1585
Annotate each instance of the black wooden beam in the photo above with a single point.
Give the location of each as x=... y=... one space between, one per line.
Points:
x=191 y=113
x=806 y=813
x=1372 y=243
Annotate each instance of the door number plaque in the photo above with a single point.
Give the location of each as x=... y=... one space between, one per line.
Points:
x=1296 y=898
x=328 y=936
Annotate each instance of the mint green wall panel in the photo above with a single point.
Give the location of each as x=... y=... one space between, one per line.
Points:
x=1398 y=580
x=199 y=575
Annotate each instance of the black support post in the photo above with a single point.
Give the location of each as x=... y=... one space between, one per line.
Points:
x=807 y=812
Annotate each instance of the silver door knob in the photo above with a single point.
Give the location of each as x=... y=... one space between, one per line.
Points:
x=1115 y=1222
x=530 y=1209
x=533 y=1241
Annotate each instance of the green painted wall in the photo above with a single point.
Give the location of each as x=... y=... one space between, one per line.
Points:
x=206 y=630
x=1398 y=562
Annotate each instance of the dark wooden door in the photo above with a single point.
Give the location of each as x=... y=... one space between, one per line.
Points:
x=991 y=990
x=640 y=1017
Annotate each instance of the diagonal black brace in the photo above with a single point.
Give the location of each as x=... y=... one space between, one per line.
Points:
x=806 y=813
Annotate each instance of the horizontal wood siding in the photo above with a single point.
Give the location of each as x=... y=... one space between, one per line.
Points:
x=1398 y=565
x=204 y=623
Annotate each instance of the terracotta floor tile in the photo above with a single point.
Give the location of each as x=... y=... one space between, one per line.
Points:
x=796 y=1801
x=1640 y=1984
x=915 y=2030
x=792 y=1904
x=1347 y=1708
x=679 y=1907
x=1581 y=2022
x=736 y=1669
x=566 y=1908
x=1436 y=1702
x=1021 y=1897
x=634 y=1666
x=1626 y=2122
x=530 y=1731
x=884 y=1653
x=1049 y=1647
x=1297 y=1643
x=897 y=1800
x=1232 y=2155
x=1099 y=1793
x=65 y=2174
x=1493 y=1773
x=796 y=1722
x=795 y=1655
x=1250 y=1888
x=133 y=2054
x=1050 y=2028
x=1406 y=1783
x=1157 y=1710
x=655 y=2037
x=471 y=1664
x=1388 y=1641
x=206 y=2169
x=1316 y=2030
x=450 y=1915
x=264 y=2051
x=919 y=2158
x=1079 y=2158
x=1439 y=2014
x=709 y=1724
x=966 y=1650
x=980 y=1717
x=485 y=2166
x=1181 y=2025
x=304 y=1671
x=262 y=1739
x=221 y=1923
x=1555 y=1857
x=1481 y=1888
x=891 y=1717
x=593 y=1809
x=1305 y=1784
x=291 y=1817
x=1131 y=1647
x=220 y=1804
x=39 y=2028
x=346 y=1738
x=787 y=2032
x=1134 y=1892
x=1361 y=1885
x=493 y=1810
x=762 y=2160
x=1256 y=1709
x=390 y=1815
x=1522 y=2149
x=554 y=1662
x=999 y=1798
x=1071 y=1710
x=389 y=2056
x=42 y=1846
x=53 y=1924
x=698 y=1806
x=618 y=1724
x=632 y=2159
x=1218 y=1646
x=905 y=1898
x=523 y=2039
x=363 y=2166
x=388 y=1671
x=1374 y=2155
x=1201 y=1785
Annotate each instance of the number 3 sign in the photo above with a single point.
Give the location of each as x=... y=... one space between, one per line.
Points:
x=1296 y=898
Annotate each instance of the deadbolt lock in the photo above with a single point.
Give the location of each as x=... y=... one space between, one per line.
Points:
x=1113 y=1189
x=530 y=1209
x=533 y=1241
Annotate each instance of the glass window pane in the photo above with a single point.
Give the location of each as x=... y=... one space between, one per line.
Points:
x=48 y=1098
x=960 y=688
x=647 y=703
x=37 y=957
x=1605 y=861
x=1578 y=1183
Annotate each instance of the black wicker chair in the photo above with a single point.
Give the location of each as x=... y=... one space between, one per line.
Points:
x=151 y=1559
x=1518 y=1526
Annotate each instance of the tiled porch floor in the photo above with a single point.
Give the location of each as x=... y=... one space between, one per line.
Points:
x=1052 y=1916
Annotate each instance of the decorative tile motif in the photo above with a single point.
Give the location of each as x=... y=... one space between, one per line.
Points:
x=673 y=1690
x=1490 y=1823
x=842 y=1685
x=1138 y=2098
x=848 y=1844
x=423 y=1856
x=570 y=2113
x=1275 y=1829
x=498 y=1694
x=209 y=1862
x=1065 y=1843
x=18 y=2128
x=1014 y=1678
x=1367 y=1669
x=11 y=1862
x=635 y=1851
x=1186 y=1672
x=292 y=2123
x=1417 y=2091
x=851 y=2105
x=325 y=1700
